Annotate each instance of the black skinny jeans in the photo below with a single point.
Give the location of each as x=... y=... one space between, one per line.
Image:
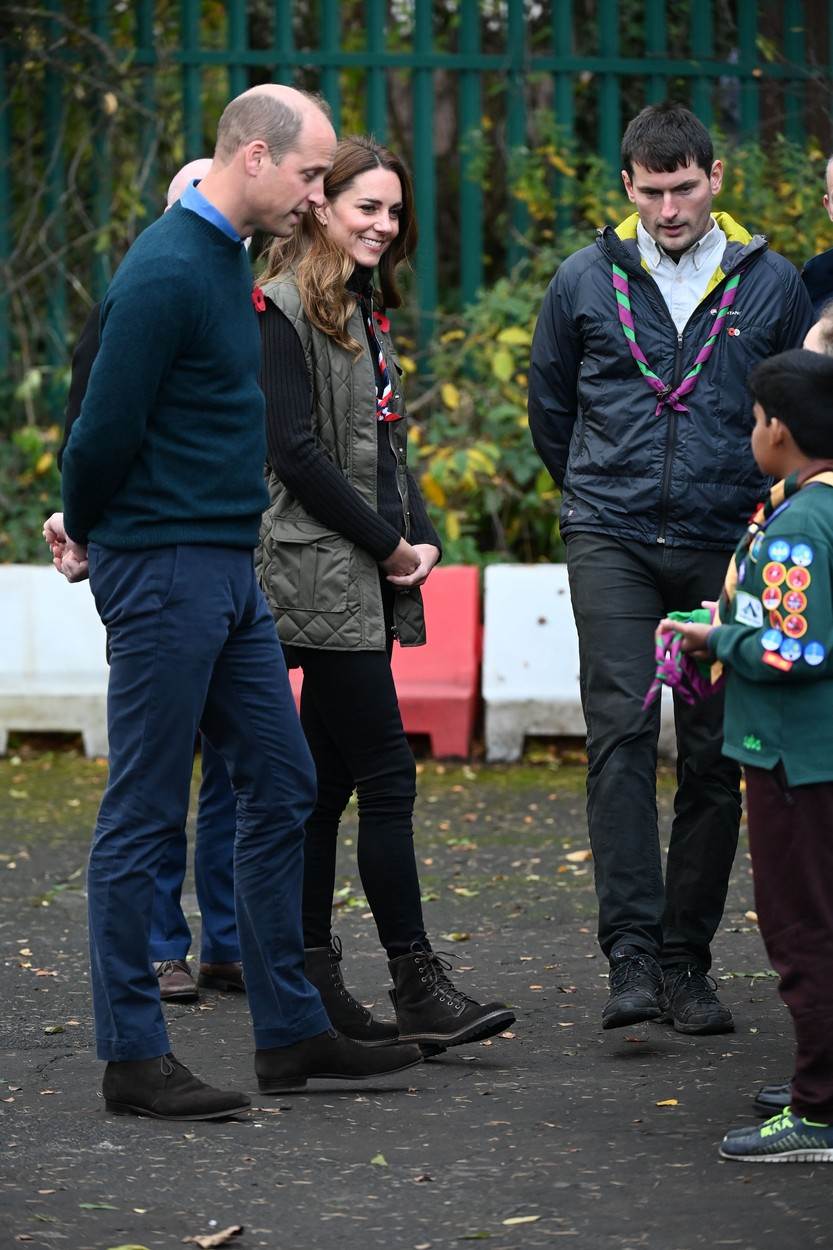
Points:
x=350 y=715
x=619 y=591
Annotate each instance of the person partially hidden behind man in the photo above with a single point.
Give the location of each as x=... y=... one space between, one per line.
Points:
x=163 y=481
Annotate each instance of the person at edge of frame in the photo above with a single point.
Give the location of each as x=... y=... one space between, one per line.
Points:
x=638 y=408
x=163 y=483
x=817 y=273
x=346 y=545
x=772 y=636
x=170 y=935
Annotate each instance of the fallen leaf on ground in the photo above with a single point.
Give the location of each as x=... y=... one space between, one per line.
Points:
x=751 y=915
x=92 y=1206
x=380 y=1161
x=669 y=1102
x=210 y=1240
x=506 y=1034
x=522 y=1219
x=456 y=937
x=579 y=857
x=130 y=1247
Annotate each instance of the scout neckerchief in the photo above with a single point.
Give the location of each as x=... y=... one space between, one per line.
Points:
x=667 y=394
x=816 y=471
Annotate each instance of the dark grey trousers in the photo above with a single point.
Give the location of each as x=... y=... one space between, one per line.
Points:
x=620 y=590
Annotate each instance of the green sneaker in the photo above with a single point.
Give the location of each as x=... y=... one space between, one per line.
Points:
x=786 y=1138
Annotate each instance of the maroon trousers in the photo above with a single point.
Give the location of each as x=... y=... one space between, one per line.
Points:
x=791 y=841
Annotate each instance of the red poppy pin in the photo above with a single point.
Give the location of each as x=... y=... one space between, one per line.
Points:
x=259 y=300
x=382 y=321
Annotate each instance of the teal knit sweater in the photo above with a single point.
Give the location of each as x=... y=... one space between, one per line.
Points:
x=170 y=445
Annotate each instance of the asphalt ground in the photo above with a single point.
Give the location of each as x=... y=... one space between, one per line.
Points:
x=557 y=1131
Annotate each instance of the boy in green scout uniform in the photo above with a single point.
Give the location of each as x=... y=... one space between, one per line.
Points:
x=773 y=633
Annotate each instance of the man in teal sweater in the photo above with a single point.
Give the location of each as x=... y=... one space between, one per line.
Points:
x=163 y=482
x=776 y=643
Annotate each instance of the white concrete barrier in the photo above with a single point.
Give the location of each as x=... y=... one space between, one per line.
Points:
x=53 y=670
x=530 y=660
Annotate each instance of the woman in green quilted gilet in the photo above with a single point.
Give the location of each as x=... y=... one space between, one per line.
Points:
x=345 y=546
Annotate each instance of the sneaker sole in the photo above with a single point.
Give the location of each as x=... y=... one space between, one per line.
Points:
x=286 y=1085
x=128 y=1108
x=789 y=1156
x=489 y=1026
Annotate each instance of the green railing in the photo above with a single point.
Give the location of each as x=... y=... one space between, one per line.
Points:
x=499 y=61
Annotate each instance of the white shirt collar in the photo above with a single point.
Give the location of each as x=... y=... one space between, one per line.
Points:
x=699 y=253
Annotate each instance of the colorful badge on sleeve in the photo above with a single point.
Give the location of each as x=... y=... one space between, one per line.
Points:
x=802 y=554
x=771 y=640
x=771 y=598
x=791 y=649
x=779 y=549
x=798 y=578
x=814 y=654
x=795 y=601
x=795 y=626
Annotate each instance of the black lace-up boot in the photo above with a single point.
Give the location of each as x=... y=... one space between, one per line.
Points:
x=164 y=1089
x=430 y=1009
x=322 y=965
x=635 y=988
x=691 y=1001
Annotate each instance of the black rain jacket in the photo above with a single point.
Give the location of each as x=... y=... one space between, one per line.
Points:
x=683 y=478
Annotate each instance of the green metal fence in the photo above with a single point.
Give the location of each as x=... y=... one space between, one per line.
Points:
x=498 y=61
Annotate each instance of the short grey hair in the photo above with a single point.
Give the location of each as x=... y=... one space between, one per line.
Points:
x=257 y=115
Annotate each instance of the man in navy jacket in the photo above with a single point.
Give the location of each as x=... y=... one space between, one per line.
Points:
x=638 y=407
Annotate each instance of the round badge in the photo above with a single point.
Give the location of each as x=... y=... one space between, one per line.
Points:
x=798 y=578
x=791 y=649
x=795 y=626
x=774 y=573
x=814 y=653
x=779 y=549
x=772 y=639
x=802 y=554
x=771 y=598
x=755 y=549
x=775 y=619
x=795 y=601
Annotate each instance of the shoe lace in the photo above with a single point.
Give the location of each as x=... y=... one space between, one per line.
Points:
x=433 y=967
x=699 y=986
x=337 y=981
x=168 y=966
x=631 y=969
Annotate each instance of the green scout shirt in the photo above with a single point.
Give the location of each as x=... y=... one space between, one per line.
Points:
x=778 y=641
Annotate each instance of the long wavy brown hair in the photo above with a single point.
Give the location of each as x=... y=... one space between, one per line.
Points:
x=321 y=268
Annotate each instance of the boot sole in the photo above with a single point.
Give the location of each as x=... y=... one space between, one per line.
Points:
x=638 y=1015
x=702 y=1030
x=128 y=1108
x=477 y=1032
x=184 y=996
x=284 y=1085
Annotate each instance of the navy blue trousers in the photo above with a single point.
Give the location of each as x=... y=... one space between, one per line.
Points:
x=170 y=934
x=193 y=645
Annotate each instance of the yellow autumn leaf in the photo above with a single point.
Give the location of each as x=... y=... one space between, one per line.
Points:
x=515 y=336
x=450 y=396
x=452 y=525
x=451 y=336
x=579 y=857
x=522 y=1219
x=669 y=1102
x=407 y=364
x=432 y=490
x=44 y=462
x=502 y=365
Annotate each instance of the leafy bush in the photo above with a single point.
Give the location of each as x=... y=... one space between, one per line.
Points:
x=30 y=489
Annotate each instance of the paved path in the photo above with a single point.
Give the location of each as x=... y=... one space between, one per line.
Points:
x=553 y=1133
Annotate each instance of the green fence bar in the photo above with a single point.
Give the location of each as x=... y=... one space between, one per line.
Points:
x=794 y=52
x=330 y=41
x=424 y=176
x=149 y=129
x=54 y=189
x=610 y=108
x=702 y=49
x=565 y=112
x=237 y=38
x=283 y=43
x=191 y=79
x=748 y=63
x=471 y=193
x=5 y=215
x=516 y=119
x=656 y=47
x=376 y=103
x=101 y=180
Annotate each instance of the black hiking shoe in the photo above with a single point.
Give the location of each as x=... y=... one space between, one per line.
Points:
x=635 y=988
x=164 y=1089
x=431 y=1010
x=770 y=1099
x=347 y=1015
x=328 y=1056
x=690 y=1001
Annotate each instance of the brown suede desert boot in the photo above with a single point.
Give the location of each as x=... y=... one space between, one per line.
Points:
x=164 y=1089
